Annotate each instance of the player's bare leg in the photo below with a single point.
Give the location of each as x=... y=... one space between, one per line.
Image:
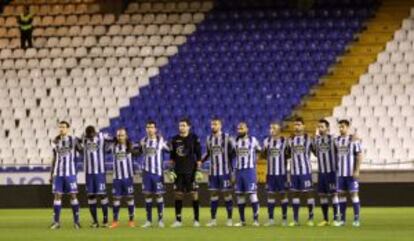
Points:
x=57 y=206
x=295 y=207
x=241 y=203
x=148 y=210
x=178 y=207
x=271 y=203
x=196 y=209
x=356 y=206
x=214 y=201
x=75 y=210
x=160 y=209
x=131 y=211
x=115 y=208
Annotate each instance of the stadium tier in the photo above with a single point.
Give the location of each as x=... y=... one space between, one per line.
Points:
x=381 y=105
x=240 y=60
x=253 y=65
x=85 y=66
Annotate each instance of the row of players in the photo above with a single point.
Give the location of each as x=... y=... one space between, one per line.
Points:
x=233 y=162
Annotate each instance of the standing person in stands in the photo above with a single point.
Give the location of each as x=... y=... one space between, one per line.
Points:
x=26 y=28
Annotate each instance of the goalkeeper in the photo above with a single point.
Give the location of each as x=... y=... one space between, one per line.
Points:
x=186 y=156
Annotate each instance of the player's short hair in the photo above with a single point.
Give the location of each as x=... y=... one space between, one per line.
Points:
x=324 y=121
x=216 y=118
x=243 y=123
x=151 y=122
x=273 y=123
x=64 y=123
x=299 y=119
x=90 y=131
x=344 y=122
x=185 y=120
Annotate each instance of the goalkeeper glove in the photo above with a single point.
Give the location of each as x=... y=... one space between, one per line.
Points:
x=199 y=176
x=171 y=175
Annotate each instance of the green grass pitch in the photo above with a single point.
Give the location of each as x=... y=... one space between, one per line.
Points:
x=377 y=224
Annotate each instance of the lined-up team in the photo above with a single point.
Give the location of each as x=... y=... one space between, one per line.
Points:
x=232 y=168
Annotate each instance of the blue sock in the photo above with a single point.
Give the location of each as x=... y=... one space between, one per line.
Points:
x=57 y=207
x=213 y=207
x=295 y=207
x=342 y=208
x=284 y=206
x=311 y=207
x=131 y=210
x=160 y=208
x=104 y=204
x=148 y=208
x=241 y=203
x=75 y=210
x=325 y=208
x=93 y=209
x=115 y=209
x=271 y=203
x=357 y=206
x=335 y=207
x=229 y=207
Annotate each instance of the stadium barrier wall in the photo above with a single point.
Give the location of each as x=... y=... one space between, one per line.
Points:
x=39 y=196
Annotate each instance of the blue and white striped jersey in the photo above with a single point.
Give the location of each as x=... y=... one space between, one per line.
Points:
x=64 y=154
x=324 y=149
x=274 y=149
x=347 y=150
x=94 y=153
x=245 y=149
x=152 y=151
x=122 y=161
x=300 y=150
x=219 y=151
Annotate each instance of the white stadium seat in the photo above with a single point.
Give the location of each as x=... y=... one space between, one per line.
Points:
x=87 y=64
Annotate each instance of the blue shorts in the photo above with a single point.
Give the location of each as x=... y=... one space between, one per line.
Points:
x=95 y=184
x=152 y=183
x=347 y=184
x=123 y=187
x=327 y=183
x=246 y=181
x=301 y=183
x=277 y=183
x=219 y=183
x=65 y=184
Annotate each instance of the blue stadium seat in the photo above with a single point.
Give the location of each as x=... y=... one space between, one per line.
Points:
x=248 y=60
